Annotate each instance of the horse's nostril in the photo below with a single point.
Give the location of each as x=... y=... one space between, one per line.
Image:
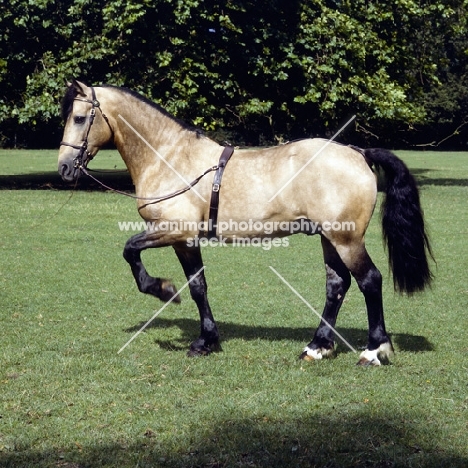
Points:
x=66 y=171
x=63 y=170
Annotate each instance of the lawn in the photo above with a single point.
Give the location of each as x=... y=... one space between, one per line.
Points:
x=68 y=304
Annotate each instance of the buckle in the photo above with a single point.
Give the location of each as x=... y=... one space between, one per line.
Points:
x=216 y=187
x=77 y=163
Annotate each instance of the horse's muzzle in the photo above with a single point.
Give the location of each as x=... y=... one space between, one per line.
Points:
x=68 y=171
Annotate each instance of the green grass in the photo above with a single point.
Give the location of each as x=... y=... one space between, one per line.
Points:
x=69 y=303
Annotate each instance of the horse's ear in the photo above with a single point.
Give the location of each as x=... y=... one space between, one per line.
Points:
x=77 y=86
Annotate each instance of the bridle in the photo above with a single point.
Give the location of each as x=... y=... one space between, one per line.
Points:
x=78 y=161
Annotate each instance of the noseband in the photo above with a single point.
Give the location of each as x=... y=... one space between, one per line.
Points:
x=78 y=160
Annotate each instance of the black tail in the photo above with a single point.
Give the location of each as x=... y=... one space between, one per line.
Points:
x=402 y=223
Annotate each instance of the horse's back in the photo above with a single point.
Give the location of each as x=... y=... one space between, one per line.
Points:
x=313 y=159
x=311 y=178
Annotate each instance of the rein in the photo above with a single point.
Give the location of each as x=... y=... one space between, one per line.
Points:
x=153 y=200
x=214 y=202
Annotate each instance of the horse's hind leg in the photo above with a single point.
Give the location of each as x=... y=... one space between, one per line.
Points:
x=368 y=277
x=191 y=261
x=158 y=287
x=338 y=282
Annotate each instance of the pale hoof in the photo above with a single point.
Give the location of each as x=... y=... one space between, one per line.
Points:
x=375 y=356
x=316 y=354
x=367 y=358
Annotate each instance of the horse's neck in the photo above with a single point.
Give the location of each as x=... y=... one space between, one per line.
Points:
x=150 y=141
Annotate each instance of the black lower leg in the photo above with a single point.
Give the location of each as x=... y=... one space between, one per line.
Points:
x=158 y=287
x=337 y=284
x=369 y=281
x=192 y=264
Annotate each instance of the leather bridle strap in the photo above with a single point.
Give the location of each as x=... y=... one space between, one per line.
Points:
x=214 y=202
x=78 y=160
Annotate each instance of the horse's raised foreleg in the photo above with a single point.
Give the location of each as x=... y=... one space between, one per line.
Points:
x=158 y=287
x=369 y=279
x=338 y=282
x=191 y=261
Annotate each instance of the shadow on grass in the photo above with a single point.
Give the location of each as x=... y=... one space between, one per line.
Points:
x=340 y=438
x=52 y=181
x=423 y=179
x=357 y=337
x=121 y=181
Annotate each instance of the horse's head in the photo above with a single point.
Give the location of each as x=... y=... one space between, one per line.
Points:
x=86 y=129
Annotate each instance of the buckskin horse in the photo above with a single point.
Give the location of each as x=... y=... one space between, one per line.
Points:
x=311 y=180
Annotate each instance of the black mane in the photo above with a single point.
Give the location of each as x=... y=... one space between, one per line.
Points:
x=67 y=102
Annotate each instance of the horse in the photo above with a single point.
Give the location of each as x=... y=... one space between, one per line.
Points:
x=301 y=186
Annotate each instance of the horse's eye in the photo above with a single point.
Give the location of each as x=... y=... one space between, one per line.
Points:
x=79 y=119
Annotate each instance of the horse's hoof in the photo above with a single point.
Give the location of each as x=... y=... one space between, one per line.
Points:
x=306 y=356
x=196 y=351
x=316 y=354
x=365 y=362
x=204 y=351
x=375 y=356
x=169 y=292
